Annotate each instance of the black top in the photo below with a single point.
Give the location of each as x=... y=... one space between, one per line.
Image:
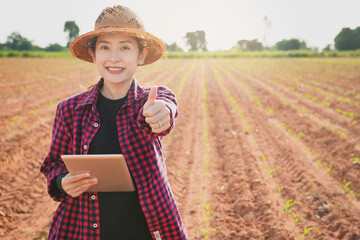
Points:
x=121 y=216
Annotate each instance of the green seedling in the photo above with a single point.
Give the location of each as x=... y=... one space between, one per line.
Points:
x=330 y=170
x=248 y=129
x=306 y=233
x=338 y=208
x=296 y=218
x=263 y=158
x=206 y=174
x=208 y=163
x=316 y=154
x=33 y=111
x=203 y=193
x=14 y=119
x=346 y=187
x=271 y=170
x=288 y=205
x=355 y=160
x=205 y=232
x=270 y=110
x=331 y=128
x=326 y=103
x=209 y=213
x=298 y=137
x=279 y=190
x=316 y=192
x=342 y=134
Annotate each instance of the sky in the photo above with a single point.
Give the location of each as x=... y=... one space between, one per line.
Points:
x=225 y=22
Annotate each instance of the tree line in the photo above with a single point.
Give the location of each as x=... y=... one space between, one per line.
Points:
x=347 y=39
x=15 y=41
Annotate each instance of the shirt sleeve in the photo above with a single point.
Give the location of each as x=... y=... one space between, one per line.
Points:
x=53 y=165
x=58 y=182
x=168 y=96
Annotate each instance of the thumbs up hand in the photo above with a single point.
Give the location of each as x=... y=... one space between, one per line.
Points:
x=156 y=114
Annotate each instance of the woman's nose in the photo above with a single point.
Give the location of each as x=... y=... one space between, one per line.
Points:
x=115 y=55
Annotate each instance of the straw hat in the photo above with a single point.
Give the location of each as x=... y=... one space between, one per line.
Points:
x=118 y=19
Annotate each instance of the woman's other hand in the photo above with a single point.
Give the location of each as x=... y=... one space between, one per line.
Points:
x=74 y=185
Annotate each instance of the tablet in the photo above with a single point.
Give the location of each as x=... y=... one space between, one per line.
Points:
x=110 y=169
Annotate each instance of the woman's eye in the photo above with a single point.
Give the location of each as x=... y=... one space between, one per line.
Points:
x=104 y=47
x=125 y=48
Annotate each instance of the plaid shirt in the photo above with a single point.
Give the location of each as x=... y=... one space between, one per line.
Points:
x=76 y=123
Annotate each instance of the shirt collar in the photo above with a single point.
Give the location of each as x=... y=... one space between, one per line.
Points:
x=135 y=93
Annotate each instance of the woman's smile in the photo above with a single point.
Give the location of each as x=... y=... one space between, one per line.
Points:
x=115 y=70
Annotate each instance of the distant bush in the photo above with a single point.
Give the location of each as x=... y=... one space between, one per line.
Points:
x=55 y=48
x=37 y=54
x=291 y=44
x=235 y=54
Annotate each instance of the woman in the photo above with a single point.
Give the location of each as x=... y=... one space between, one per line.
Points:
x=118 y=116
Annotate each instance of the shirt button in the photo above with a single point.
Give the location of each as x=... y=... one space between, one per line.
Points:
x=93 y=197
x=96 y=125
x=85 y=147
x=95 y=225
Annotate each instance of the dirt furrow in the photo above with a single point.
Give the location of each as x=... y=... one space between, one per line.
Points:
x=246 y=207
x=184 y=157
x=328 y=146
x=309 y=185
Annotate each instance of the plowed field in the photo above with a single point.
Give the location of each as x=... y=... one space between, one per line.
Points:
x=262 y=148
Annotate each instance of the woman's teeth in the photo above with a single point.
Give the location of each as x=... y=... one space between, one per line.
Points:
x=114 y=69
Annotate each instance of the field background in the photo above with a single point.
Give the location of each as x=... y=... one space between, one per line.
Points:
x=263 y=148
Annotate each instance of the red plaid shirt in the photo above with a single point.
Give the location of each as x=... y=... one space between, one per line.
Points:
x=76 y=123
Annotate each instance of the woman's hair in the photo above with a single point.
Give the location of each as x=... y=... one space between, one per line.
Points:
x=93 y=47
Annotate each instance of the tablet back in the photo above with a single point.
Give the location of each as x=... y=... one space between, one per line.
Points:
x=110 y=169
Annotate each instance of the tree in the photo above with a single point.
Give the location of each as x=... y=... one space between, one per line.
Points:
x=348 y=39
x=250 y=45
x=291 y=44
x=17 y=42
x=173 y=47
x=196 y=41
x=73 y=31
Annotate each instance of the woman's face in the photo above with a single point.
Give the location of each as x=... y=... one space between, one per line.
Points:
x=117 y=57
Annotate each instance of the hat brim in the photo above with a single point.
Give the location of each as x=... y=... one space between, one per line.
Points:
x=79 y=47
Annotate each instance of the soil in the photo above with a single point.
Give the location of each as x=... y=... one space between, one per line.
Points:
x=249 y=157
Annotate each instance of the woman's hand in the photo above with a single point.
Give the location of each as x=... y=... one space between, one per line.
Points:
x=156 y=113
x=74 y=185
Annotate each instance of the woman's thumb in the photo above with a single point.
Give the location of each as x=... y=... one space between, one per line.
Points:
x=151 y=98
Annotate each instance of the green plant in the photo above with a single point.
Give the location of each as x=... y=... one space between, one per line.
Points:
x=330 y=169
x=209 y=213
x=346 y=187
x=279 y=190
x=306 y=232
x=355 y=160
x=287 y=209
x=288 y=205
x=205 y=232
